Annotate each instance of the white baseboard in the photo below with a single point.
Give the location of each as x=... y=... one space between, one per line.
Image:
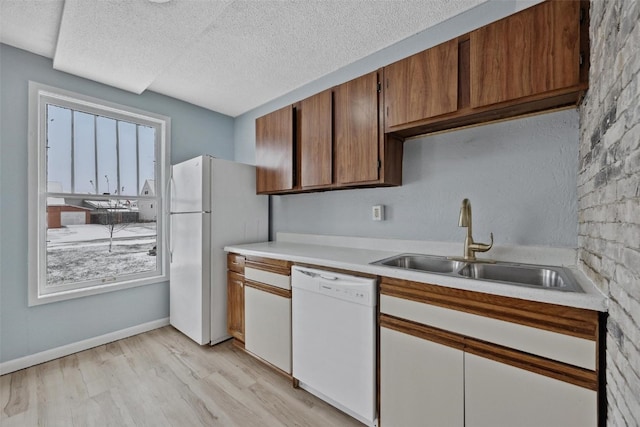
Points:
x=65 y=350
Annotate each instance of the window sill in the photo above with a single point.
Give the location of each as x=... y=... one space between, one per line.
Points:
x=35 y=299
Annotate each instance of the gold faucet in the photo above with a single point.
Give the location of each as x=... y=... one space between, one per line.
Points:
x=470 y=247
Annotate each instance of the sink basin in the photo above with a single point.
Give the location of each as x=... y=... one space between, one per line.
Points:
x=428 y=263
x=535 y=276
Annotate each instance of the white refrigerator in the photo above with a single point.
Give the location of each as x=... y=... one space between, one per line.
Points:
x=213 y=204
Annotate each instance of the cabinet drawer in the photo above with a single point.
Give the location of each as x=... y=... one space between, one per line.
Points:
x=235 y=263
x=268 y=278
x=556 y=346
x=268 y=271
x=278 y=266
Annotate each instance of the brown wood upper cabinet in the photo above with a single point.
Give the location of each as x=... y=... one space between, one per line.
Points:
x=316 y=140
x=532 y=61
x=364 y=155
x=532 y=52
x=422 y=86
x=334 y=139
x=356 y=130
x=275 y=152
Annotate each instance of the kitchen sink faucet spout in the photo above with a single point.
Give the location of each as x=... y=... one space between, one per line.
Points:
x=470 y=247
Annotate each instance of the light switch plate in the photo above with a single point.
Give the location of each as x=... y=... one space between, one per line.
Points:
x=377 y=213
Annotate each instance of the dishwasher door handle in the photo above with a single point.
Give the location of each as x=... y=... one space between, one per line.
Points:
x=307 y=273
x=325 y=277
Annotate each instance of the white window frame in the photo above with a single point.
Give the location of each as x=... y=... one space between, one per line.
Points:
x=39 y=96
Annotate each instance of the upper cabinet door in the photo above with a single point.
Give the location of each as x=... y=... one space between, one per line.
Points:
x=275 y=151
x=532 y=52
x=356 y=130
x=422 y=86
x=316 y=140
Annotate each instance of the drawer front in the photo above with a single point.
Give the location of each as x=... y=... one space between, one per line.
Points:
x=564 y=348
x=269 y=264
x=235 y=263
x=268 y=278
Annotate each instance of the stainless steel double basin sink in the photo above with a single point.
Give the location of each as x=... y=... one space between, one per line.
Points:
x=533 y=276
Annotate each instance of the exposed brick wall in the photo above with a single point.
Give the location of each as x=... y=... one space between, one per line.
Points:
x=609 y=194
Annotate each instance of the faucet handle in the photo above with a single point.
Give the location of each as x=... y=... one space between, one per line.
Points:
x=481 y=247
x=490 y=244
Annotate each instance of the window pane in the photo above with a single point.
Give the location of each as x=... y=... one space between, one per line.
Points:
x=147 y=155
x=127 y=154
x=84 y=160
x=107 y=157
x=102 y=240
x=58 y=149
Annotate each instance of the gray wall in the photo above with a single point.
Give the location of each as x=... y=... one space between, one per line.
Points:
x=28 y=330
x=609 y=195
x=519 y=175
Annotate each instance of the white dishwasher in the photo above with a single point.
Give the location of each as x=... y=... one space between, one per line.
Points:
x=334 y=339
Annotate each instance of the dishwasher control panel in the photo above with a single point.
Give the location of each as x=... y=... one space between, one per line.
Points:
x=358 y=290
x=344 y=291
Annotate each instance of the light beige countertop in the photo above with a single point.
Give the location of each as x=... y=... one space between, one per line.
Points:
x=332 y=252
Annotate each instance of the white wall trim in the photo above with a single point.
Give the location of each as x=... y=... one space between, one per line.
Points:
x=65 y=350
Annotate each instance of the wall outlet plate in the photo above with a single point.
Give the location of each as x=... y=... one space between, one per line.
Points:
x=377 y=213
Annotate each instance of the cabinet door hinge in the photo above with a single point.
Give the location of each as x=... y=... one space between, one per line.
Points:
x=379 y=87
x=582 y=13
x=379 y=164
x=581 y=59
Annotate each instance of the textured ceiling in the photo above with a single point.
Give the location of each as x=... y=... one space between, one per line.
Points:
x=227 y=56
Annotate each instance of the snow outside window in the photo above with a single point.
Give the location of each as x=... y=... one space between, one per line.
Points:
x=97 y=173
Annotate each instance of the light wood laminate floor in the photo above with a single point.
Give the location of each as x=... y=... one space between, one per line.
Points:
x=159 y=378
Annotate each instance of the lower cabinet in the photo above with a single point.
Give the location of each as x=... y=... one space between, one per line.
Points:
x=268 y=327
x=421 y=382
x=235 y=305
x=461 y=358
x=267 y=311
x=235 y=296
x=497 y=394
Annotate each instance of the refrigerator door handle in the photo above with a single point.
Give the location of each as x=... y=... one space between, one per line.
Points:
x=168 y=189
x=168 y=238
